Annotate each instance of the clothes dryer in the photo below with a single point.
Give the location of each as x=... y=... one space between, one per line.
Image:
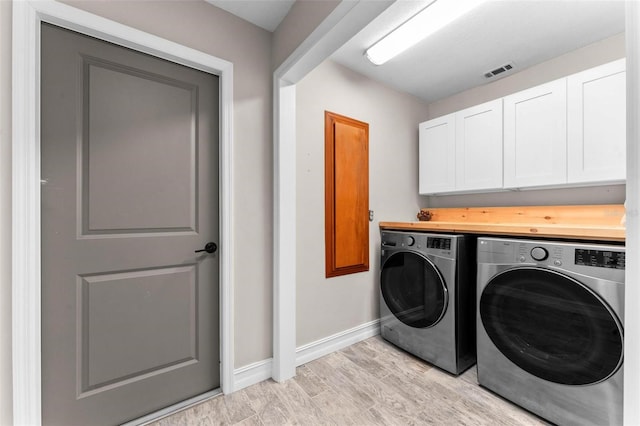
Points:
x=550 y=327
x=427 y=296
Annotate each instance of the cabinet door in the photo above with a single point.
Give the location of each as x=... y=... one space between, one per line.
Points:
x=479 y=147
x=437 y=155
x=597 y=124
x=535 y=136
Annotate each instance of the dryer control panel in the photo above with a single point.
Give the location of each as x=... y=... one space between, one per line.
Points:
x=444 y=245
x=439 y=243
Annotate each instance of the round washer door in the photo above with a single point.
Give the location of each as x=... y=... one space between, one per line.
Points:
x=552 y=326
x=413 y=289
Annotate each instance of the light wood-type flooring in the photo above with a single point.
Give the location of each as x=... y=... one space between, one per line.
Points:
x=369 y=383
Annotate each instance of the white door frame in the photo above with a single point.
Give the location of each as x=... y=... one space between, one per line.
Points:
x=346 y=20
x=632 y=277
x=26 y=261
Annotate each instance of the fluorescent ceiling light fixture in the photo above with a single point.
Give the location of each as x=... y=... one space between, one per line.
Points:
x=435 y=16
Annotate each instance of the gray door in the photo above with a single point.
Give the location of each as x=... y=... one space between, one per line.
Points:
x=130 y=320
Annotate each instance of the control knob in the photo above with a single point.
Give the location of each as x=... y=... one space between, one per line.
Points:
x=539 y=253
x=410 y=241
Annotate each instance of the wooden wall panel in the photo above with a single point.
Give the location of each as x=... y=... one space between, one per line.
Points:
x=346 y=195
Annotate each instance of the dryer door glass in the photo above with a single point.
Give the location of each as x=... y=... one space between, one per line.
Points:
x=552 y=326
x=413 y=289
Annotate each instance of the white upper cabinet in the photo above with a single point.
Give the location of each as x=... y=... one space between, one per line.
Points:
x=479 y=147
x=597 y=124
x=535 y=136
x=569 y=132
x=437 y=155
x=462 y=151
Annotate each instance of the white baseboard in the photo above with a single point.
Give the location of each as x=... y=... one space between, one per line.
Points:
x=252 y=374
x=262 y=370
x=322 y=347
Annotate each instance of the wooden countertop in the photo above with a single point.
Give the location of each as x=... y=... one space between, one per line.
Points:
x=605 y=233
x=592 y=222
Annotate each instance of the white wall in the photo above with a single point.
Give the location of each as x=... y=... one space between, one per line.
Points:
x=6 y=410
x=587 y=57
x=328 y=306
x=302 y=19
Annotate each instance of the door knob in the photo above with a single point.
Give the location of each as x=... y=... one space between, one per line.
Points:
x=209 y=248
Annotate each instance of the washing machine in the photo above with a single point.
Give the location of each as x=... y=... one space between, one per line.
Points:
x=550 y=327
x=427 y=296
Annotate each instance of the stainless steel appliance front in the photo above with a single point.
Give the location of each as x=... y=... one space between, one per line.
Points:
x=427 y=296
x=550 y=327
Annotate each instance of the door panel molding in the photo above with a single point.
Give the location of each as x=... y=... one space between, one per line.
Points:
x=26 y=215
x=94 y=169
x=95 y=373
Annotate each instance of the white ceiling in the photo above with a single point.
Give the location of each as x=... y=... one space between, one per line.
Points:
x=521 y=32
x=264 y=13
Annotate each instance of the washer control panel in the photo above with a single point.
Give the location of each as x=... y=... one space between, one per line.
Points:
x=559 y=254
x=596 y=260
x=531 y=252
x=600 y=258
x=539 y=253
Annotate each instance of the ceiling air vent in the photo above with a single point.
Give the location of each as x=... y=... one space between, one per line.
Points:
x=499 y=70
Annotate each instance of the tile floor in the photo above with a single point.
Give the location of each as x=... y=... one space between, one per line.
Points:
x=369 y=383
